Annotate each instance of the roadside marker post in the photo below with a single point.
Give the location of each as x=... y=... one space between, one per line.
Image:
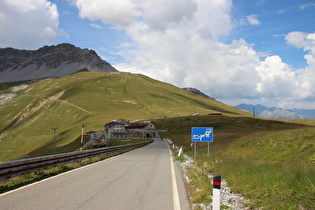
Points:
x=82 y=134
x=216 y=192
x=180 y=151
x=201 y=134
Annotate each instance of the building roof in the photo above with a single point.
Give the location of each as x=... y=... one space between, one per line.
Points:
x=128 y=125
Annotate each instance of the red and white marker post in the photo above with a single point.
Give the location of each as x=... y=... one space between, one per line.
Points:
x=216 y=192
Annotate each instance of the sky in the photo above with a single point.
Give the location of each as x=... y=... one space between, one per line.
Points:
x=236 y=51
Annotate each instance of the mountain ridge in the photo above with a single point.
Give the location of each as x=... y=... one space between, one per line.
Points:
x=48 y=62
x=277 y=113
x=195 y=91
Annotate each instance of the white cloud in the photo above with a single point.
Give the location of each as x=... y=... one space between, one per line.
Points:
x=95 y=25
x=189 y=53
x=301 y=40
x=163 y=13
x=277 y=78
x=122 y=12
x=180 y=42
x=260 y=3
x=27 y=24
x=280 y=82
x=306 y=76
x=307 y=5
x=252 y=20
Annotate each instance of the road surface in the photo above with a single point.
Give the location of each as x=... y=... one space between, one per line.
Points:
x=145 y=178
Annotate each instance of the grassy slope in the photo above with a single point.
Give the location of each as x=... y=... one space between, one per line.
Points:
x=93 y=98
x=271 y=162
x=262 y=159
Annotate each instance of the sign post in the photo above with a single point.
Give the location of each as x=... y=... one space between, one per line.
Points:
x=208 y=148
x=201 y=134
x=195 y=151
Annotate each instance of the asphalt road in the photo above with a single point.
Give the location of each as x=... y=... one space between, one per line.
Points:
x=145 y=178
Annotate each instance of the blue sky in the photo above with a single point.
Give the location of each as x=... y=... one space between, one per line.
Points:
x=237 y=51
x=277 y=18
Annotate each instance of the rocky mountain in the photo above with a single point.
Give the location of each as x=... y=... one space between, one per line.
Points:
x=281 y=114
x=251 y=108
x=277 y=113
x=195 y=91
x=48 y=61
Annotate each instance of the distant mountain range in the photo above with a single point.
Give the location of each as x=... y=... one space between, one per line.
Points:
x=277 y=113
x=48 y=62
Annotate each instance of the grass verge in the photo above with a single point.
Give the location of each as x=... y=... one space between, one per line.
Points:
x=271 y=163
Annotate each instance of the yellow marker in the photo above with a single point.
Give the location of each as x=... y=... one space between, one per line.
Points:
x=82 y=133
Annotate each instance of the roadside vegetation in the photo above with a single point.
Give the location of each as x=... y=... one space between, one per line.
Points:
x=272 y=163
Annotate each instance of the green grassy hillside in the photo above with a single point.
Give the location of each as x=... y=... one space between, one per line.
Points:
x=271 y=162
x=93 y=98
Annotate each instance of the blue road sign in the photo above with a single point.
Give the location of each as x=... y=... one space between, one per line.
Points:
x=202 y=134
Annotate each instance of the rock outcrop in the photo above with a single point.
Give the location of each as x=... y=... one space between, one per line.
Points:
x=195 y=91
x=47 y=62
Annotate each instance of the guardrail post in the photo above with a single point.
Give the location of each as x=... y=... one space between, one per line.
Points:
x=216 y=192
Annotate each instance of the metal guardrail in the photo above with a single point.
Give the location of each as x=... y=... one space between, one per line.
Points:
x=19 y=167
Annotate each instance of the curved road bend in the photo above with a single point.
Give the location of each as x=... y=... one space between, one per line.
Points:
x=141 y=179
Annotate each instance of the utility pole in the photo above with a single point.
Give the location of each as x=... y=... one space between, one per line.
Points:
x=254 y=116
x=55 y=130
x=254 y=112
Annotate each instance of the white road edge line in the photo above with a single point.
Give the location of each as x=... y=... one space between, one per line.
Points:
x=174 y=183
